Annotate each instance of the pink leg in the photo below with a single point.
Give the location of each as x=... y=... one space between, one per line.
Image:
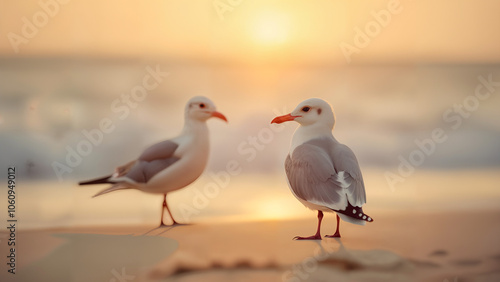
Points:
x=165 y=206
x=337 y=233
x=171 y=216
x=317 y=236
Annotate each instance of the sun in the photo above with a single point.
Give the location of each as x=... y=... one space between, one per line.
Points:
x=270 y=28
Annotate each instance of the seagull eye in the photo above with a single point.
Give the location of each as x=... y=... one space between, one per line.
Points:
x=202 y=105
x=306 y=109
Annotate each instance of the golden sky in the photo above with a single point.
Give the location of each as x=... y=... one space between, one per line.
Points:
x=254 y=31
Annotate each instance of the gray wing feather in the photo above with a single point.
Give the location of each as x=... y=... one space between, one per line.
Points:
x=318 y=163
x=160 y=150
x=153 y=160
x=312 y=177
x=345 y=160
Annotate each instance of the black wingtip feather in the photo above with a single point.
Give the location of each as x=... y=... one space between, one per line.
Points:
x=355 y=212
x=101 y=180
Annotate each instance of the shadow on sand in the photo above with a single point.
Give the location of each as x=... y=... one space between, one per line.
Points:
x=95 y=257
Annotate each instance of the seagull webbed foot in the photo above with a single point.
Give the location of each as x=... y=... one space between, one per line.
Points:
x=336 y=235
x=313 y=237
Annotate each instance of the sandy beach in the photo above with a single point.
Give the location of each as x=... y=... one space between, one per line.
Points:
x=404 y=247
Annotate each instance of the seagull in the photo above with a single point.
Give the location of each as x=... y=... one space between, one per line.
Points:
x=169 y=165
x=323 y=174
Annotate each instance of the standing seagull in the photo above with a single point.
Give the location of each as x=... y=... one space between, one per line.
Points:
x=323 y=174
x=169 y=165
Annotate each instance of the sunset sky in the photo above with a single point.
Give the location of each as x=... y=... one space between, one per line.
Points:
x=259 y=31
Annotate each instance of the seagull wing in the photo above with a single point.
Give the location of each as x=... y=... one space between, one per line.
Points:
x=154 y=159
x=345 y=161
x=312 y=177
x=162 y=150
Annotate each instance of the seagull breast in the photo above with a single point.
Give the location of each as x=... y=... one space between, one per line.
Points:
x=193 y=154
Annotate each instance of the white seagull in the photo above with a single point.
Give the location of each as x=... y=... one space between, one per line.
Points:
x=323 y=174
x=172 y=164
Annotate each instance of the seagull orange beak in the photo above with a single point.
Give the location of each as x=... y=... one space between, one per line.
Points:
x=219 y=115
x=284 y=118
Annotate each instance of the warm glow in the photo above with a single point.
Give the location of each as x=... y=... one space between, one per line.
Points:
x=270 y=28
x=279 y=208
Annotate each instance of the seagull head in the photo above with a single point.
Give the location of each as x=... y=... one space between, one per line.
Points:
x=312 y=111
x=201 y=108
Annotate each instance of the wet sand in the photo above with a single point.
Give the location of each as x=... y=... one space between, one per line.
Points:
x=396 y=247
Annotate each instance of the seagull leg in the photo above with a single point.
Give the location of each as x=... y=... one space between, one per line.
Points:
x=337 y=233
x=171 y=216
x=165 y=206
x=317 y=236
x=161 y=221
x=162 y=209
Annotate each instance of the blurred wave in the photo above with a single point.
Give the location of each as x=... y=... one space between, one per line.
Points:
x=46 y=104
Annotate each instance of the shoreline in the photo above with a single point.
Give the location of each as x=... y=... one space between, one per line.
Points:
x=417 y=246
